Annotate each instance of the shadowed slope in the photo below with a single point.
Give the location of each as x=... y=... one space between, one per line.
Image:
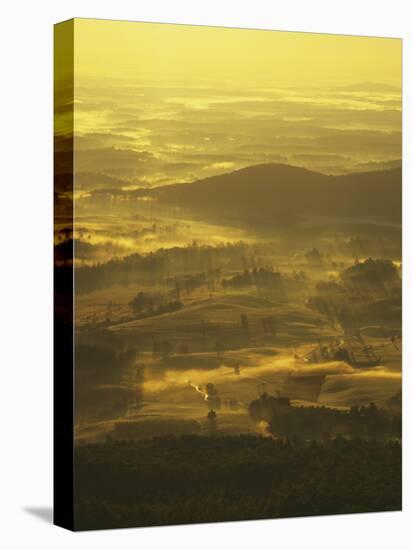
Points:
x=275 y=192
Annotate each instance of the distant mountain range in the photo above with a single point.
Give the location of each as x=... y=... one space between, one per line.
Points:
x=276 y=192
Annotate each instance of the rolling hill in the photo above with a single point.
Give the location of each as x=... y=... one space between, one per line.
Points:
x=276 y=192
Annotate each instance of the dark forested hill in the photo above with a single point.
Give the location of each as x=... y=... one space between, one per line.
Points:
x=196 y=479
x=275 y=192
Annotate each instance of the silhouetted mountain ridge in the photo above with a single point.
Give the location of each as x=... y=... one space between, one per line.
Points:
x=270 y=192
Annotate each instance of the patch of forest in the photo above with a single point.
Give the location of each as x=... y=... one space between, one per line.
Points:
x=285 y=420
x=159 y=266
x=194 y=479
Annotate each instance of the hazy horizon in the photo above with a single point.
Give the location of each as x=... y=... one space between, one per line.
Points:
x=158 y=104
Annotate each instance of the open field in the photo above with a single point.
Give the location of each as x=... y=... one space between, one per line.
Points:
x=243 y=341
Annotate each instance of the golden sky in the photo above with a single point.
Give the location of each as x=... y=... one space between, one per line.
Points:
x=109 y=48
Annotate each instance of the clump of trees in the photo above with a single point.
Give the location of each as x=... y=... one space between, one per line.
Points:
x=378 y=275
x=189 y=283
x=314 y=258
x=286 y=420
x=147 y=305
x=142 y=302
x=266 y=280
x=256 y=277
x=366 y=293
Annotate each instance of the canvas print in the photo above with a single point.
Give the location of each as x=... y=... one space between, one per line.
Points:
x=228 y=255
